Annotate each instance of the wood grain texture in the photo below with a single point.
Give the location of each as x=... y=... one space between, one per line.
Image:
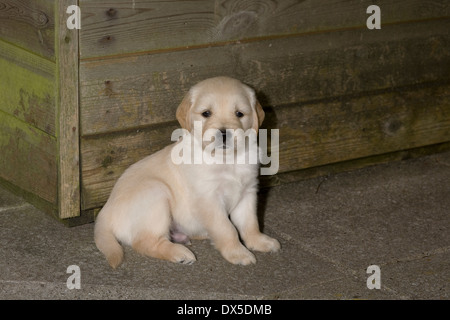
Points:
x=120 y=27
x=28 y=158
x=105 y=157
x=29 y=24
x=137 y=91
x=349 y=128
x=68 y=116
x=311 y=134
x=350 y=165
x=28 y=87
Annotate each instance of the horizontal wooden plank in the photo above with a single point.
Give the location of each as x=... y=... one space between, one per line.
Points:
x=28 y=87
x=27 y=60
x=136 y=91
x=350 y=165
x=29 y=24
x=118 y=26
x=348 y=128
x=28 y=158
x=311 y=135
x=105 y=157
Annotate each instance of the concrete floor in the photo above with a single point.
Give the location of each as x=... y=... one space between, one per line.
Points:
x=395 y=216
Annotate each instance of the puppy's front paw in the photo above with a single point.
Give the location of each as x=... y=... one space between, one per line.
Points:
x=239 y=255
x=263 y=243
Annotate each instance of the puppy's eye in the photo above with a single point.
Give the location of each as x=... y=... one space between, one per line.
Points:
x=206 y=114
x=239 y=114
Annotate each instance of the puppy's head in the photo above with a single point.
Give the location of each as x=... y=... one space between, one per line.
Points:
x=220 y=103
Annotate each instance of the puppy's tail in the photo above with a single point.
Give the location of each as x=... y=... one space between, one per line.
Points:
x=107 y=243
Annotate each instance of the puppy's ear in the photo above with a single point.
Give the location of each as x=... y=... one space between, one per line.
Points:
x=183 y=112
x=258 y=116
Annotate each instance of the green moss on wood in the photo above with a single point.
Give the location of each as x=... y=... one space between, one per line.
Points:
x=27 y=96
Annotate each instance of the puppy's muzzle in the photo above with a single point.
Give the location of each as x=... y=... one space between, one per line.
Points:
x=226 y=136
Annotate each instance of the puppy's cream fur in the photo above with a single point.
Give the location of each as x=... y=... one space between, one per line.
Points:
x=215 y=201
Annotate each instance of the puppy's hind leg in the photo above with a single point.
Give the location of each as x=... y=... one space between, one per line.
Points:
x=153 y=237
x=161 y=248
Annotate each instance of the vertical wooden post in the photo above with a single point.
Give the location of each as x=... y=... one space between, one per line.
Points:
x=68 y=113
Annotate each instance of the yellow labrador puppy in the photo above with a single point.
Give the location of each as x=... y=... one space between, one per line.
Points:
x=158 y=203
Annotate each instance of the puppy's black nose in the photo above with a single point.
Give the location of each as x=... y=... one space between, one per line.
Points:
x=224 y=135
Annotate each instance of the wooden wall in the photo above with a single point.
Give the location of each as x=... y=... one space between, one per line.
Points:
x=39 y=124
x=78 y=107
x=336 y=90
x=28 y=147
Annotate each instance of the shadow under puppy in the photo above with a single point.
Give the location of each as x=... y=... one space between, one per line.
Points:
x=157 y=205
